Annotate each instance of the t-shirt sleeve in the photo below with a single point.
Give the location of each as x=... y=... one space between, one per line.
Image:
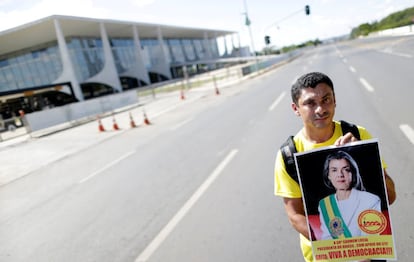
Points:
x=285 y=186
x=364 y=133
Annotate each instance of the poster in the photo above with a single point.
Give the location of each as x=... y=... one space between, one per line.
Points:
x=346 y=202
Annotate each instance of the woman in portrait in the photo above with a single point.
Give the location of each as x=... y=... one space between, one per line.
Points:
x=339 y=211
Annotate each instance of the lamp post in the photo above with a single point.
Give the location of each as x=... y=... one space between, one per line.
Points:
x=248 y=23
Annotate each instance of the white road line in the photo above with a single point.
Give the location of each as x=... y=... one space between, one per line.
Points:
x=352 y=69
x=181 y=124
x=277 y=101
x=116 y=161
x=164 y=233
x=402 y=55
x=366 y=84
x=390 y=52
x=408 y=132
x=294 y=80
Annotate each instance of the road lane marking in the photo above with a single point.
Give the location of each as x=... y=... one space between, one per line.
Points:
x=352 y=69
x=390 y=52
x=402 y=55
x=116 y=161
x=164 y=233
x=366 y=84
x=408 y=132
x=294 y=80
x=181 y=124
x=277 y=101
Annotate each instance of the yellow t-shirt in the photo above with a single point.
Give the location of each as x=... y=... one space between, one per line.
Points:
x=285 y=186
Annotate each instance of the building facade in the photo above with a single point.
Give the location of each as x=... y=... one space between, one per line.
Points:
x=86 y=58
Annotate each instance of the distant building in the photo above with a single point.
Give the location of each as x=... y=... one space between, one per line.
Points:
x=86 y=57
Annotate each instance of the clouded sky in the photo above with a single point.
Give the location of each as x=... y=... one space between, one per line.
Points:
x=284 y=20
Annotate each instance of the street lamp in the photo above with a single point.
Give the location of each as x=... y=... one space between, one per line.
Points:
x=248 y=23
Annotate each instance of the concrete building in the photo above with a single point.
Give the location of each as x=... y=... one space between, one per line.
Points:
x=87 y=58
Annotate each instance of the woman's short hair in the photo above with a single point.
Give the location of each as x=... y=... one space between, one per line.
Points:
x=356 y=177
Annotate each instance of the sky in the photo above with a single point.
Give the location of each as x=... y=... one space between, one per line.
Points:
x=284 y=21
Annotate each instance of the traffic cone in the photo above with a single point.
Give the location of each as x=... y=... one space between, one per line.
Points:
x=217 y=91
x=115 y=125
x=100 y=126
x=132 y=122
x=215 y=86
x=146 y=121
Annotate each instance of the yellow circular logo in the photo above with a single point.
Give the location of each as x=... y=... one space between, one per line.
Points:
x=372 y=221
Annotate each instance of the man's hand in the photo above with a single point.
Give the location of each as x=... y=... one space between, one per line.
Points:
x=347 y=138
x=390 y=188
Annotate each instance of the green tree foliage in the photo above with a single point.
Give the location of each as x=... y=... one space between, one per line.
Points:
x=397 y=19
x=271 y=51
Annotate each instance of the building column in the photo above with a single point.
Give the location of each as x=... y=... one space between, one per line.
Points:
x=141 y=70
x=68 y=71
x=108 y=74
x=164 y=67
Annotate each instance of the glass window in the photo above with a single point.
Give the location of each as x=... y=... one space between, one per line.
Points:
x=198 y=44
x=188 y=49
x=87 y=56
x=3 y=80
x=8 y=73
x=4 y=63
x=16 y=72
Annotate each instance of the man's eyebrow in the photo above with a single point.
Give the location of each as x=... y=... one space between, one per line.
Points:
x=309 y=99
x=327 y=94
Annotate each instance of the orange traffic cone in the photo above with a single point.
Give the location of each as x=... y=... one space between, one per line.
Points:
x=215 y=86
x=115 y=125
x=132 y=122
x=146 y=121
x=217 y=91
x=100 y=126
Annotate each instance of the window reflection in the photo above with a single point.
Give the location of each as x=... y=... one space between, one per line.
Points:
x=30 y=67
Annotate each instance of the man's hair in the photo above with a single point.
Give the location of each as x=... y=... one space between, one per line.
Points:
x=309 y=80
x=356 y=177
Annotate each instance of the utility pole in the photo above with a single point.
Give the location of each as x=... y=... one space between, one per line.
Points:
x=248 y=23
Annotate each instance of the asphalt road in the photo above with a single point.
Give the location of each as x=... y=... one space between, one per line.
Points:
x=197 y=185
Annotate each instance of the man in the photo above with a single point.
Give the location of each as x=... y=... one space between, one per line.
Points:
x=313 y=100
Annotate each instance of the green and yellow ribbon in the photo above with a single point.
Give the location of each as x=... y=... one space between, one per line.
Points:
x=333 y=218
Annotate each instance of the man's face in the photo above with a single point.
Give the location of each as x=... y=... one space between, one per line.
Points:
x=316 y=106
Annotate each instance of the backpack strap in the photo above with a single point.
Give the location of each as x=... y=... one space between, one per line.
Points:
x=287 y=149
x=348 y=127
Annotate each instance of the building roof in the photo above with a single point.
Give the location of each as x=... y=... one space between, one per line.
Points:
x=43 y=31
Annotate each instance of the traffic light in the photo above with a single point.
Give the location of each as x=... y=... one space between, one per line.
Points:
x=267 y=39
x=307 y=10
